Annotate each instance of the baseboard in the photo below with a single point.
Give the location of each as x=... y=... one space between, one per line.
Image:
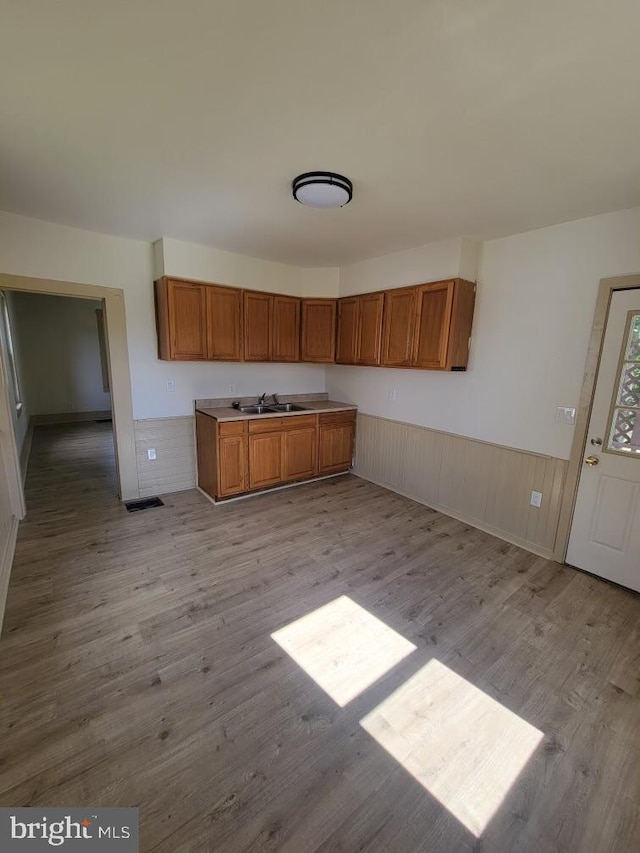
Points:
x=472 y=522
x=25 y=453
x=69 y=418
x=6 y=562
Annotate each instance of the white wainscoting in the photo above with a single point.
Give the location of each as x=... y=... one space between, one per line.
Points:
x=174 y=468
x=485 y=485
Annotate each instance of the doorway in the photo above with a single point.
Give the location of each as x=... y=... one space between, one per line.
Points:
x=605 y=531
x=55 y=348
x=118 y=361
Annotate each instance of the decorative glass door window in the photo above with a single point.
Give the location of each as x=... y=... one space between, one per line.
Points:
x=624 y=428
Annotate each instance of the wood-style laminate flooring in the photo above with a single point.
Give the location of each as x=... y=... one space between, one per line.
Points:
x=137 y=668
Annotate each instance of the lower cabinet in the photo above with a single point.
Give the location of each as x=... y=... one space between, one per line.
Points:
x=233 y=464
x=337 y=432
x=222 y=456
x=300 y=453
x=235 y=457
x=265 y=460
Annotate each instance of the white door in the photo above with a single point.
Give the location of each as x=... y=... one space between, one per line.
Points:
x=605 y=533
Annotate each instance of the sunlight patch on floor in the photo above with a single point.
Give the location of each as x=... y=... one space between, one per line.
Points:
x=465 y=748
x=343 y=647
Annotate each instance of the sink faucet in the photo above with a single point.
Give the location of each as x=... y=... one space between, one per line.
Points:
x=275 y=399
x=262 y=398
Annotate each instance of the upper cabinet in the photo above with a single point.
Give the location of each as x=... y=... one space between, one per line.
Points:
x=258 y=308
x=271 y=327
x=197 y=322
x=286 y=329
x=318 y=330
x=399 y=320
x=370 y=328
x=347 y=337
x=181 y=311
x=434 y=303
x=426 y=326
x=444 y=314
x=359 y=338
x=224 y=323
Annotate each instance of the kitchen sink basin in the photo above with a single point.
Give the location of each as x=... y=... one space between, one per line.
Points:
x=288 y=407
x=258 y=410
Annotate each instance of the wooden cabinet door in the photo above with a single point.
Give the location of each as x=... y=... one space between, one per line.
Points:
x=224 y=329
x=398 y=327
x=336 y=448
x=265 y=459
x=257 y=326
x=186 y=318
x=347 y=337
x=336 y=437
x=300 y=453
x=433 y=322
x=318 y=330
x=370 y=328
x=286 y=329
x=232 y=465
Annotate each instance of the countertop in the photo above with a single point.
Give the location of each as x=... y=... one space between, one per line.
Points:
x=311 y=407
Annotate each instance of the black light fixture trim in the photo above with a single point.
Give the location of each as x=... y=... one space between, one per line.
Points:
x=333 y=178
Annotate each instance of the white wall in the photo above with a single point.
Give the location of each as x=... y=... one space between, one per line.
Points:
x=202 y=263
x=535 y=304
x=534 y=310
x=57 y=338
x=31 y=247
x=432 y=262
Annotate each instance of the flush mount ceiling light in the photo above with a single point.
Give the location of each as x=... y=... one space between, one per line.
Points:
x=322 y=189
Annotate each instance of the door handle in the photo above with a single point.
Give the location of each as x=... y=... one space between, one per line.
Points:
x=591 y=461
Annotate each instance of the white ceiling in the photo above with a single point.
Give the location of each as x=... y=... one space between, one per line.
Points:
x=189 y=118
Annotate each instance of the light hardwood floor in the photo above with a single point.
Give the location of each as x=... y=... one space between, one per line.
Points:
x=137 y=668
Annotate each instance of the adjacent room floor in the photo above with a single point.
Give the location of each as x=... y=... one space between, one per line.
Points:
x=445 y=692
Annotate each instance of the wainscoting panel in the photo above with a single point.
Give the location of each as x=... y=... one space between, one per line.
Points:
x=486 y=485
x=174 y=468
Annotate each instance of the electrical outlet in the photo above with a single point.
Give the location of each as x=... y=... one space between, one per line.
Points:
x=233 y=389
x=393 y=394
x=151 y=453
x=536 y=499
x=565 y=415
x=171 y=385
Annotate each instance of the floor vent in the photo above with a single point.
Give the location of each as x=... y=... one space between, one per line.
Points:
x=104 y=421
x=146 y=503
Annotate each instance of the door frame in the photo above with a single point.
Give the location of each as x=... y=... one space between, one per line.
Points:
x=118 y=359
x=570 y=492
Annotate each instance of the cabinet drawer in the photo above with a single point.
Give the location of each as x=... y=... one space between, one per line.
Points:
x=338 y=418
x=281 y=424
x=232 y=428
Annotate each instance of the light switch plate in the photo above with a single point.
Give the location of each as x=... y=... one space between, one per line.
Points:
x=566 y=414
x=171 y=385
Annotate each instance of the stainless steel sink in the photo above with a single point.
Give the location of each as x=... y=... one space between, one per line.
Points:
x=258 y=410
x=288 y=407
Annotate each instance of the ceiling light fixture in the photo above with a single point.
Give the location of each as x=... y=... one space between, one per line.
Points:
x=322 y=189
